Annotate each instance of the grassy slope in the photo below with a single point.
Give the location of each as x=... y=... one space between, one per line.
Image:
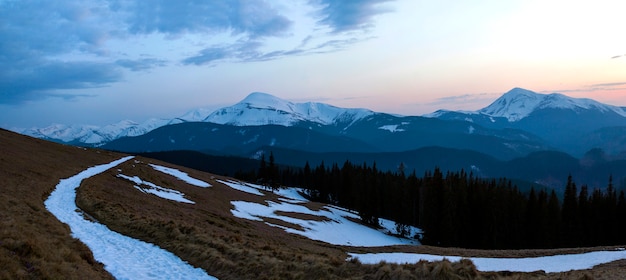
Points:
x=33 y=244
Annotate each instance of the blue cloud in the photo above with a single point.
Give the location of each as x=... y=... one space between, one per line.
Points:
x=50 y=46
x=209 y=55
x=38 y=79
x=249 y=51
x=140 y=64
x=33 y=32
x=252 y=18
x=348 y=15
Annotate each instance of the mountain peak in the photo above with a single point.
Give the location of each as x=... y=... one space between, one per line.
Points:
x=260 y=97
x=518 y=103
x=261 y=100
x=260 y=108
x=514 y=105
x=519 y=90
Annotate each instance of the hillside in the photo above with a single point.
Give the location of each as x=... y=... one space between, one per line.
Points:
x=209 y=233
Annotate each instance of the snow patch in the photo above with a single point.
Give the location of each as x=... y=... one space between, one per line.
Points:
x=181 y=176
x=151 y=188
x=248 y=188
x=549 y=264
x=122 y=256
x=392 y=128
x=335 y=228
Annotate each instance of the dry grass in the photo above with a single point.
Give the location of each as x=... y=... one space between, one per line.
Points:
x=34 y=245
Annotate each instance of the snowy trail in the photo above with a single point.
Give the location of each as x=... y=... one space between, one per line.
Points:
x=122 y=256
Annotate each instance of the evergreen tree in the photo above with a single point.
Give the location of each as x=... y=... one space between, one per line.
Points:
x=569 y=215
x=262 y=176
x=272 y=173
x=554 y=220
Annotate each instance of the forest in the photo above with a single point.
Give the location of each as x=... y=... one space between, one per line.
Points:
x=457 y=209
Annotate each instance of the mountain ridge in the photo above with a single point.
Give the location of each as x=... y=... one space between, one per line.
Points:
x=549 y=117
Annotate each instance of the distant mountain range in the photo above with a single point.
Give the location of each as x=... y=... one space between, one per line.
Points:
x=571 y=125
x=521 y=124
x=524 y=121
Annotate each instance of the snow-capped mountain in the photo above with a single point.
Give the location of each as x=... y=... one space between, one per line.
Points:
x=95 y=135
x=196 y=115
x=519 y=103
x=564 y=122
x=263 y=109
x=62 y=132
x=256 y=109
x=531 y=120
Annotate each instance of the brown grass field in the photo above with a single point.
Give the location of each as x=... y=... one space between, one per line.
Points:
x=35 y=245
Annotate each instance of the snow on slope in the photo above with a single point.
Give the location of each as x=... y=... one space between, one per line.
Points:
x=262 y=109
x=518 y=103
x=151 y=188
x=330 y=224
x=196 y=115
x=242 y=187
x=162 y=192
x=181 y=176
x=557 y=263
x=128 y=258
x=122 y=256
x=337 y=228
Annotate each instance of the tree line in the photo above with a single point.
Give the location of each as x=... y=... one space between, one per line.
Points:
x=458 y=209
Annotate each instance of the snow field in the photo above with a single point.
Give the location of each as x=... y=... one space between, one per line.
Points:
x=338 y=228
x=558 y=263
x=242 y=187
x=181 y=176
x=122 y=256
x=334 y=225
x=151 y=188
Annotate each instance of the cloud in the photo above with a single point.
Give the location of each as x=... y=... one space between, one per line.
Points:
x=608 y=84
x=464 y=99
x=252 y=18
x=343 y=16
x=47 y=46
x=50 y=46
x=38 y=79
x=140 y=64
x=51 y=27
x=250 y=51
x=243 y=50
x=33 y=34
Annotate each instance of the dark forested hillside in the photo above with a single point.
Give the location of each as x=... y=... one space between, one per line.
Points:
x=457 y=209
x=222 y=165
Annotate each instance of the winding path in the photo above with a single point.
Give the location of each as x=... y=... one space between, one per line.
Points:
x=122 y=256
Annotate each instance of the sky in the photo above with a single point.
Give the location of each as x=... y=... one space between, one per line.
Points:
x=97 y=62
